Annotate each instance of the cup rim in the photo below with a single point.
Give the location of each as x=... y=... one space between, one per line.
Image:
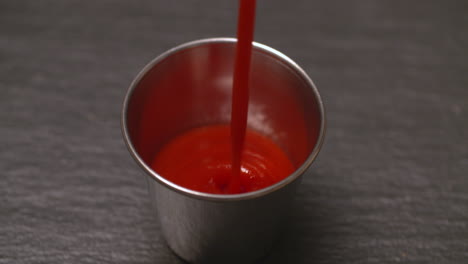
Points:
x=224 y=197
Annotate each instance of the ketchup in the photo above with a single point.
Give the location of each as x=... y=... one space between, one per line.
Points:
x=223 y=159
x=240 y=86
x=201 y=160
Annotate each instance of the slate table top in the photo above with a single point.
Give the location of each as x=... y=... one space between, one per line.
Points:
x=391 y=182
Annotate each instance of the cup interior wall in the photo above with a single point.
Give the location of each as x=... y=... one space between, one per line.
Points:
x=192 y=87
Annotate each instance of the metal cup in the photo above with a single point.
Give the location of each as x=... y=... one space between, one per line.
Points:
x=190 y=86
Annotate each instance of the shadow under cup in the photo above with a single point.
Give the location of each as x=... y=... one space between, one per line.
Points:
x=190 y=86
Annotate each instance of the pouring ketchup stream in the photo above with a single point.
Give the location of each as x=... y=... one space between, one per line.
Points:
x=227 y=159
x=240 y=86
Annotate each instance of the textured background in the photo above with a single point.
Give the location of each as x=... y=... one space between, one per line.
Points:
x=390 y=186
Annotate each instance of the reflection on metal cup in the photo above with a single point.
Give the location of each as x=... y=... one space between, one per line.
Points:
x=190 y=86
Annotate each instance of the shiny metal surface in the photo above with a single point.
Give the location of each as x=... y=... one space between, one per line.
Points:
x=190 y=86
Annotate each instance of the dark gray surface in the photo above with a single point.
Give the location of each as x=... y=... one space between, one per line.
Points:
x=390 y=186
